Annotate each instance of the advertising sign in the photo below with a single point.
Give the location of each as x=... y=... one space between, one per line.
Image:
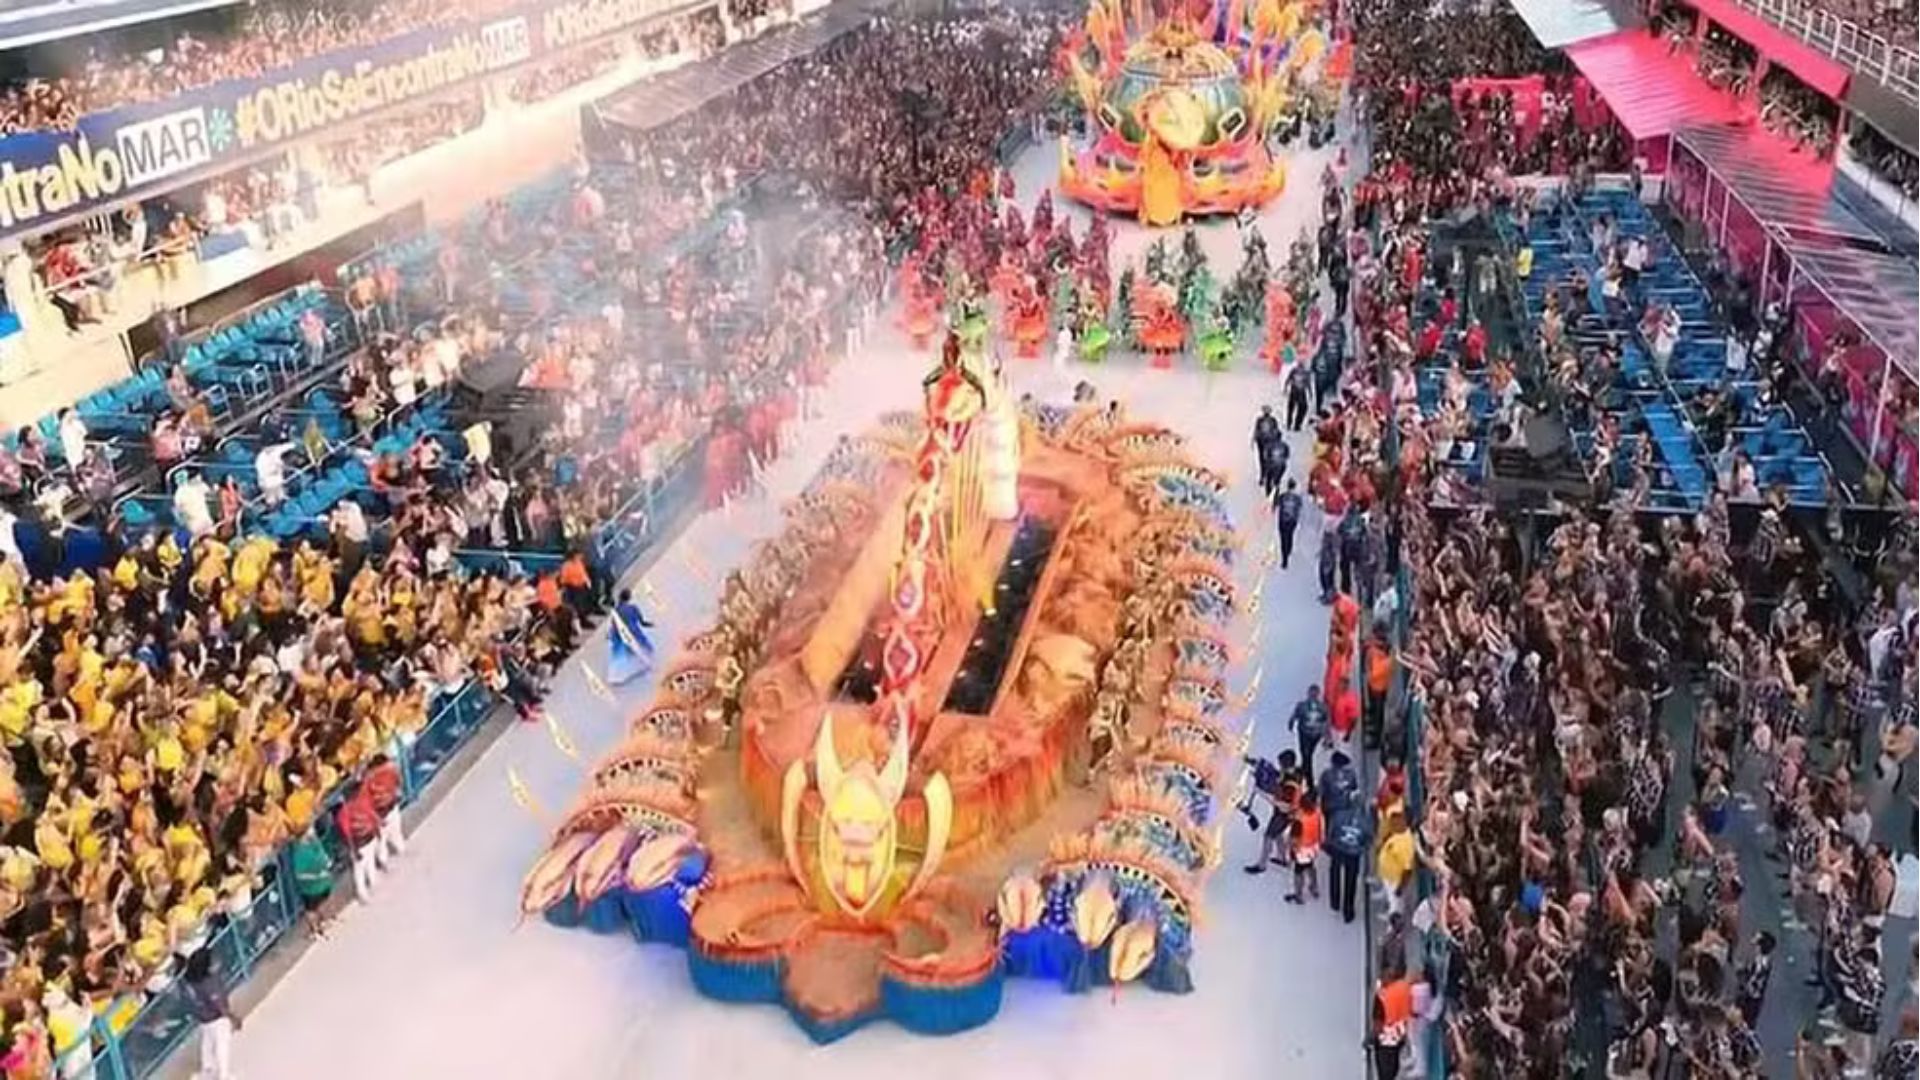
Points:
x=47 y=176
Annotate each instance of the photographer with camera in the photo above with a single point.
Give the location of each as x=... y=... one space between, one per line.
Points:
x=1282 y=785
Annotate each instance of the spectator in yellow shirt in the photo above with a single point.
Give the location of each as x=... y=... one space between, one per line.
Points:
x=1395 y=859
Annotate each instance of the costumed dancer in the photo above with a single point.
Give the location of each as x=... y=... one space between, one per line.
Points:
x=629 y=650
x=1282 y=327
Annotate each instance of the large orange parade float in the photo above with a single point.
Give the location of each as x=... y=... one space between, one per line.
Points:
x=1180 y=107
x=979 y=671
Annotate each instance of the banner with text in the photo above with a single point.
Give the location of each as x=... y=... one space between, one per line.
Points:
x=47 y=176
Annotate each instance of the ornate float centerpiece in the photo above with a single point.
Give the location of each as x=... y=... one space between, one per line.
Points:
x=1180 y=108
x=961 y=719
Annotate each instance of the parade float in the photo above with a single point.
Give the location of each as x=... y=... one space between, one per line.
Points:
x=1180 y=108
x=962 y=719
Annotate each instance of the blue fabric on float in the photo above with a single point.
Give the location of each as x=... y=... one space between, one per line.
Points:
x=1039 y=953
x=1088 y=971
x=942 y=1010
x=1169 y=973
x=605 y=915
x=566 y=913
x=1057 y=956
x=725 y=980
x=657 y=915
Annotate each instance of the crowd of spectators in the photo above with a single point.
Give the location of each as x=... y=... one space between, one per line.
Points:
x=81 y=267
x=1891 y=162
x=353 y=158
x=1722 y=59
x=547 y=79
x=1567 y=824
x=745 y=11
x=174 y=718
x=1601 y=702
x=1896 y=21
x=1449 y=40
x=1797 y=112
x=874 y=117
x=133 y=67
x=129 y=69
x=1455 y=140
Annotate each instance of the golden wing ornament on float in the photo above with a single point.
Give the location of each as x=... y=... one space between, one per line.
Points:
x=857 y=846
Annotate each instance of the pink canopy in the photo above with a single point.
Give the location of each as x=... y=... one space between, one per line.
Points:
x=1824 y=74
x=1652 y=91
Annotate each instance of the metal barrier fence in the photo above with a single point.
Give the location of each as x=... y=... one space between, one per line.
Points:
x=1436 y=950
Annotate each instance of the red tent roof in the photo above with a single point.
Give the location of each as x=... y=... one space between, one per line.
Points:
x=1824 y=74
x=1651 y=90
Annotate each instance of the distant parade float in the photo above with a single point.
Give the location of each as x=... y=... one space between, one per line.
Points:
x=1182 y=110
x=960 y=720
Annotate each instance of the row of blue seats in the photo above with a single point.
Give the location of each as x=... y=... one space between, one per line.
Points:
x=1562 y=249
x=1698 y=361
x=270 y=334
x=227 y=364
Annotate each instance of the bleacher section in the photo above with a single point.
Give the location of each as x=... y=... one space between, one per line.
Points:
x=1647 y=405
x=237 y=367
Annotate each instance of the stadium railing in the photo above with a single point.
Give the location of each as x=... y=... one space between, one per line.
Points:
x=1893 y=66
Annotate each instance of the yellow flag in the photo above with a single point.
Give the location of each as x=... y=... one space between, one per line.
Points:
x=594 y=682
x=561 y=740
x=521 y=795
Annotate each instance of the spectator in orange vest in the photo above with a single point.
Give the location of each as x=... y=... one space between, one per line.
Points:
x=1346 y=710
x=1380 y=665
x=550 y=595
x=1392 y=1016
x=546 y=593
x=1308 y=827
x=576 y=581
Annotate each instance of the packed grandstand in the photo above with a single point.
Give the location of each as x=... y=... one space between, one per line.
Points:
x=346 y=423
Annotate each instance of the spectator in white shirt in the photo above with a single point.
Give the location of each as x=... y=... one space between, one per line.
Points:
x=191 y=507
x=214 y=209
x=401 y=381
x=349 y=526
x=73 y=439
x=291 y=655
x=9 y=545
x=270 y=468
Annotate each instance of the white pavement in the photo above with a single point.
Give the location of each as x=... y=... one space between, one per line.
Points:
x=435 y=979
